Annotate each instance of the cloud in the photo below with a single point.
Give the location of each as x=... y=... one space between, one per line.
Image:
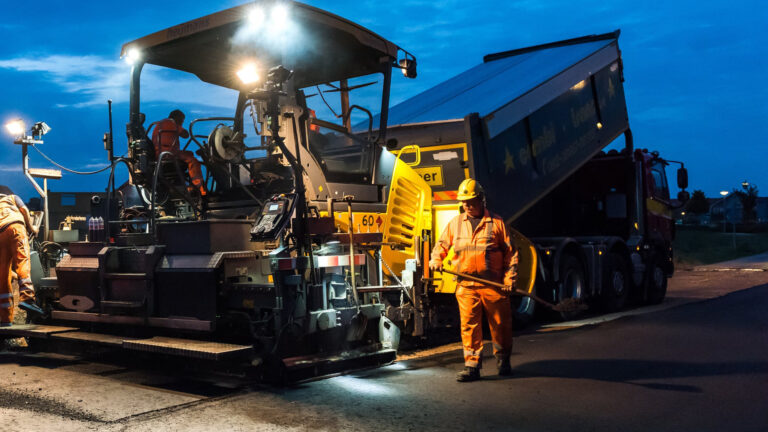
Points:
x=10 y=168
x=94 y=79
x=93 y=166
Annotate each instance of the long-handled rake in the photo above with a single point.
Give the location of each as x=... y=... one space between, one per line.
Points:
x=567 y=305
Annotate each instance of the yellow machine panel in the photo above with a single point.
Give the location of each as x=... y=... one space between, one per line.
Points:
x=409 y=213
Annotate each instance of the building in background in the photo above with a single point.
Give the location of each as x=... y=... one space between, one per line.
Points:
x=730 y=210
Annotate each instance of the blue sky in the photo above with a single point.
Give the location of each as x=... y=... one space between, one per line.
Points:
x=695 y=71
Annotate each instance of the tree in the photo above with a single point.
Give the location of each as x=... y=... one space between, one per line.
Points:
x=698 y=203
x=748 y=198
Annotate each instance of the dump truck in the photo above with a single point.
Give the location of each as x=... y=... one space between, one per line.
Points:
x=531 y=125
x=281 y=264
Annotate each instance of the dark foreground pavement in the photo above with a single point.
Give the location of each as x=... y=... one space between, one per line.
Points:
x=697 y=367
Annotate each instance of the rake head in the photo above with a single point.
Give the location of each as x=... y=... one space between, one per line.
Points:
x=570 y=305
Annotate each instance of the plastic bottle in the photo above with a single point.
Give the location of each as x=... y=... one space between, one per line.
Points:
x=91 y=229
x=100 y=229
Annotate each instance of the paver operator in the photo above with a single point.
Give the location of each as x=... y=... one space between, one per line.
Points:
x=481 y=248
x=165 y=137
x=14 y=256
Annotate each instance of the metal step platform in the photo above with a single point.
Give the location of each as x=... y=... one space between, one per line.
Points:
x=187 y=348
x=32 y=331
x=97 y=338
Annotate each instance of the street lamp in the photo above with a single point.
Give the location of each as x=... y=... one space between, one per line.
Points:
x=17 y=129
x=725 y=213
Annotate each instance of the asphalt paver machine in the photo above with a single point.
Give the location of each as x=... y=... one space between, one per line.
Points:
x=309 y=233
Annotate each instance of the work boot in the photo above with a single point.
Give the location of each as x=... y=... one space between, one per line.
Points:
x=33 y=310
x=468 y=374
x=505 y=369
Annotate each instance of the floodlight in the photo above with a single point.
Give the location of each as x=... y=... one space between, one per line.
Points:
x=133 y=56
x=408 y=66
x=16 y=127
x=39 y=129
x=256 y=17
x=248 y=74
x=278 y=75
x=279 y=15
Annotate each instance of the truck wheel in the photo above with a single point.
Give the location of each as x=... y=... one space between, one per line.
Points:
x=572 y=284
x=616 y=284
x=656 y=284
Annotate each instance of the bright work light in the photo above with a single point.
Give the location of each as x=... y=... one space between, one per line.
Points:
x=133 y=56
x=279 y=15
x=248 y=74
x=256 y=17
x=15 y=127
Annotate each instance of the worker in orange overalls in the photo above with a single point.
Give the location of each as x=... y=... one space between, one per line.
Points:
x=14 y=256
x=481 y=248
x=165 y=137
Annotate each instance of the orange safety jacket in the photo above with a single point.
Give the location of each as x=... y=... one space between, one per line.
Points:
x=9 y=212
x=165 y=136
x=485 y=252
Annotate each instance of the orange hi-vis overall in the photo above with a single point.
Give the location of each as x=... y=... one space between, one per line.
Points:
x=165 y=137
x=14 y=257
x=485 y=252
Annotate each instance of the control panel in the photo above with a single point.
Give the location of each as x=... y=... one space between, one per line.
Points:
x=274 y=217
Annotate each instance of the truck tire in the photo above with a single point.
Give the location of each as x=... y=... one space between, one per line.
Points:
x=523 y=309
x=616 y=284
x=656 y=284
x=573 y=284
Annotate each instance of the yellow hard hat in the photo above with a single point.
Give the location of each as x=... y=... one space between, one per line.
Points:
x=469 y=189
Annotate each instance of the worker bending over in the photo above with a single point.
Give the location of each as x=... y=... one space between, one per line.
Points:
x=481 y=248
x=14 y=256
x=165 y=137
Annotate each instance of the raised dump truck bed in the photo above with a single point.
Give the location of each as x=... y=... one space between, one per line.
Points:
x=529 y=117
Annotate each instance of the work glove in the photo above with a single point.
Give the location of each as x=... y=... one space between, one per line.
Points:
x=508 y=289
x=436 y=265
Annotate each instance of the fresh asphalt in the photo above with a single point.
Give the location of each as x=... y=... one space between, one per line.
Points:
x=698 y=366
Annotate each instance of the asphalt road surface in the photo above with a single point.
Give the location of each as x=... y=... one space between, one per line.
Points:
x=698 y=362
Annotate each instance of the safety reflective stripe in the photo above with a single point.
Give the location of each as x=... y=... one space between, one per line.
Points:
x=26 y=280
x=471 y=352
x=456 y=236
x=5 y=296
x=489 y=234
x=6 y=305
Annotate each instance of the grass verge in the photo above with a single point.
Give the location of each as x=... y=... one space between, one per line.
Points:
x=694 y=248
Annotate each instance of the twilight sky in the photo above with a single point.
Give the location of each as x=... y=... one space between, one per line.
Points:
x=695 y=71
